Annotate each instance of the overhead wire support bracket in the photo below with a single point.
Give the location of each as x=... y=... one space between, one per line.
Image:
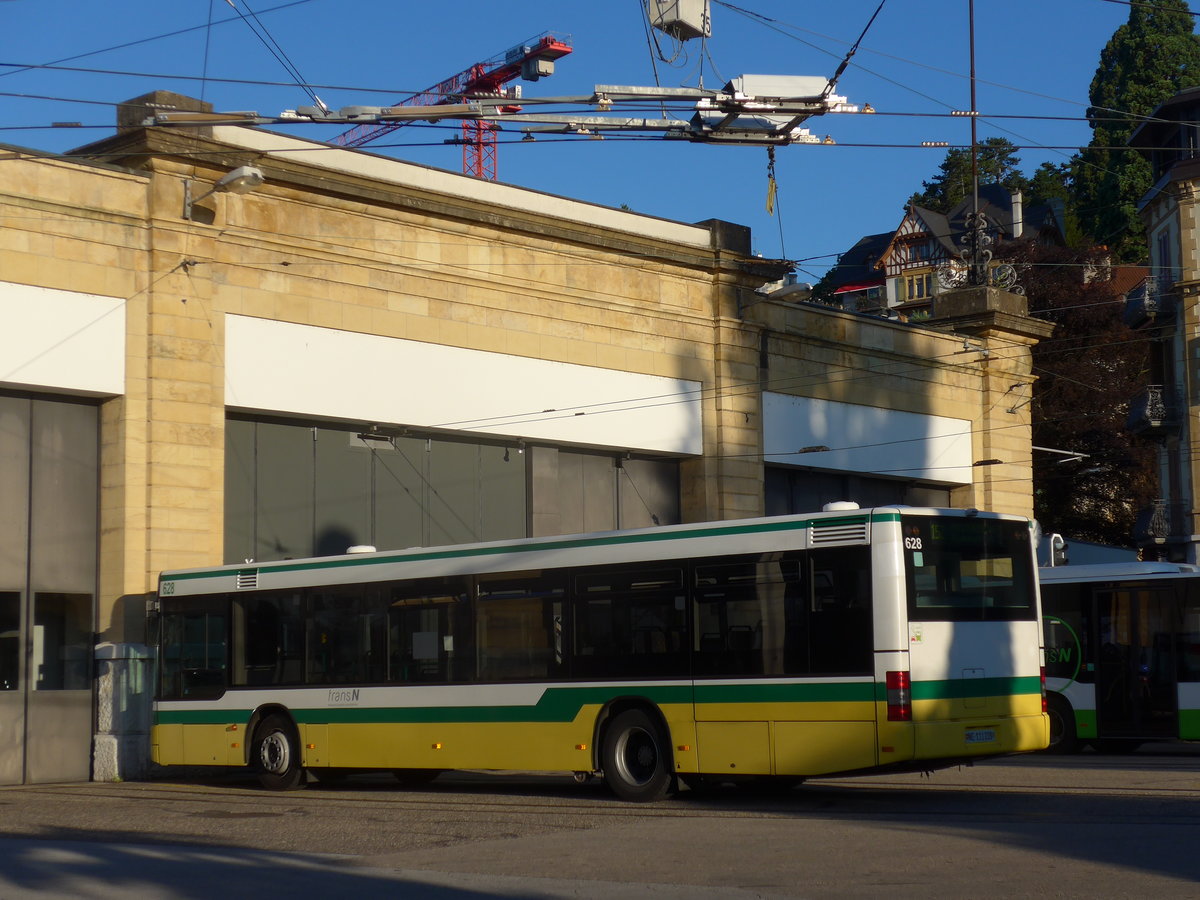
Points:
x=750 y=109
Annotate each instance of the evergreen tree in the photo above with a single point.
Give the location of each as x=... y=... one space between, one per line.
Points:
x=1146 y=62
x=1053 y=185
x=997 y=164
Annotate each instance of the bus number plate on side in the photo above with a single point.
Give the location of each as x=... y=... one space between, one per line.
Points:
x=980 y=735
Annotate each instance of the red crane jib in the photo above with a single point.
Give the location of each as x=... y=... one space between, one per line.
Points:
x=482 y=79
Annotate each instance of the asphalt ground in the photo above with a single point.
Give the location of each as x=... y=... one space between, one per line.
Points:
x=1044 y=826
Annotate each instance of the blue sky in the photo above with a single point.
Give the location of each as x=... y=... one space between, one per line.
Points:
x=1033 y=58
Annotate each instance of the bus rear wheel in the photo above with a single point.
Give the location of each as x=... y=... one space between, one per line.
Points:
x=277 y=755
x=636 y=758
x=1063 y=737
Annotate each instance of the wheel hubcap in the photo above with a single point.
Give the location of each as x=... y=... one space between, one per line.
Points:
x=275 y=753
x=637 y=757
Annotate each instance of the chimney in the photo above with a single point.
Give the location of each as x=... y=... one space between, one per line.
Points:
x=1018 y=215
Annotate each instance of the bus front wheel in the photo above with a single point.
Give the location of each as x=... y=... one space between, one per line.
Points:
x=636 y=758
x=277 y=755
x=1063 y=737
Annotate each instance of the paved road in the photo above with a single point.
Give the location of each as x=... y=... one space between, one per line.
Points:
x=1085 y=826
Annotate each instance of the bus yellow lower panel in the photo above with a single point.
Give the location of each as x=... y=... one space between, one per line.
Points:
x=166 y=744
x=816 y=748
x=210 y=745
x=315 y=739
x=981 y=737
x=977 y=707
x=456 y=745
x=734 y=748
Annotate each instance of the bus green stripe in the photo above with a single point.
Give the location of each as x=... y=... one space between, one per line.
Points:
x=823 y=692
x=1189 y=724
x=966 y=688
x=767 y=526
x=555 y=704
x=564 y=704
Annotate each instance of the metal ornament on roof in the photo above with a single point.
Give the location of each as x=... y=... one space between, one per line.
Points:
x=974 y=264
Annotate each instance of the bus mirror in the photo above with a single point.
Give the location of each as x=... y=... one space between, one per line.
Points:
x=1058 y=550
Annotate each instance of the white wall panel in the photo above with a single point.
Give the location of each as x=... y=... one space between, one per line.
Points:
x=279 y=367
x=866 y=439
x=62 y=340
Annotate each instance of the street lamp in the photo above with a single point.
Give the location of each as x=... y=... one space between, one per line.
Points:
x=241 y=180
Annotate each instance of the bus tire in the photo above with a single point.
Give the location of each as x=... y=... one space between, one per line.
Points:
x=277 y=754
x=636 y=758
x=1063 y=737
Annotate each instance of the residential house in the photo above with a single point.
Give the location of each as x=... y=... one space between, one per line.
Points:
x=897 y=273
x=1166 y=309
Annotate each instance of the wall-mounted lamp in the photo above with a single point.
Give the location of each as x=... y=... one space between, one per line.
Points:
x=241 y=180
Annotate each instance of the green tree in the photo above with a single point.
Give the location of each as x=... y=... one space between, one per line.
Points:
x=997 y=164
x=1147 y=61
x=1054 y=185
x=1086 y=373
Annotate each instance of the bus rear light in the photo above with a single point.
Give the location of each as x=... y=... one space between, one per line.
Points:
x=899 y=697
x=1044 y=706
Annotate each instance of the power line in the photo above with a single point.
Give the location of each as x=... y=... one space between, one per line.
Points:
x=159 y=37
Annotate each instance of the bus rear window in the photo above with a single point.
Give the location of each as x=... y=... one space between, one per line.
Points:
x=968 y=570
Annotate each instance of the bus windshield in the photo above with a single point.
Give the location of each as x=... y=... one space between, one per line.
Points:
x=968 y=570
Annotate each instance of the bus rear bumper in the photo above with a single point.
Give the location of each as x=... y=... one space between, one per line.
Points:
x=982 y=737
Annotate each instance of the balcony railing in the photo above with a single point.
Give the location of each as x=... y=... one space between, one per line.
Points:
x=1150 y=303
x=1165 y=522
x=1152 y=412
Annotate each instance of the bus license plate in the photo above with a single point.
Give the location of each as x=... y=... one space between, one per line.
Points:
x=980 y=735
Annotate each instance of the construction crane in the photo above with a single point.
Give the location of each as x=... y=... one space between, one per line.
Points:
x=529 y=60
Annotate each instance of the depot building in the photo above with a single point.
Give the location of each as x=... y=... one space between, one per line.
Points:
x=222 y=344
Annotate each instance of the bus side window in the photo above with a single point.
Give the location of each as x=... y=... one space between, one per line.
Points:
x=268 y=638
x=195 y=649
x=429 y=633
x=630 y=621
x=333 y=653
x=519 y=626
x=1188 y=639
x=742 y=614
x=1066 y=633
x=840 y=627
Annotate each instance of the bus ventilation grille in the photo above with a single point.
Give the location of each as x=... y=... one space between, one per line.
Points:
x=247 y=580
x=849 y=533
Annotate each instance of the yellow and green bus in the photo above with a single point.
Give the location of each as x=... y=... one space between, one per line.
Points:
x=767 y=650
x=1122 y=654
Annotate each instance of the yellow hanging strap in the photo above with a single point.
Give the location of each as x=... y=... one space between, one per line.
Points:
x=771 y=186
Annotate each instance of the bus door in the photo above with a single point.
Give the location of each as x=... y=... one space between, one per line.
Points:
x=1136 y=672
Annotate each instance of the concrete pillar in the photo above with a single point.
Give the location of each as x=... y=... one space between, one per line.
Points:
x=124 y=691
